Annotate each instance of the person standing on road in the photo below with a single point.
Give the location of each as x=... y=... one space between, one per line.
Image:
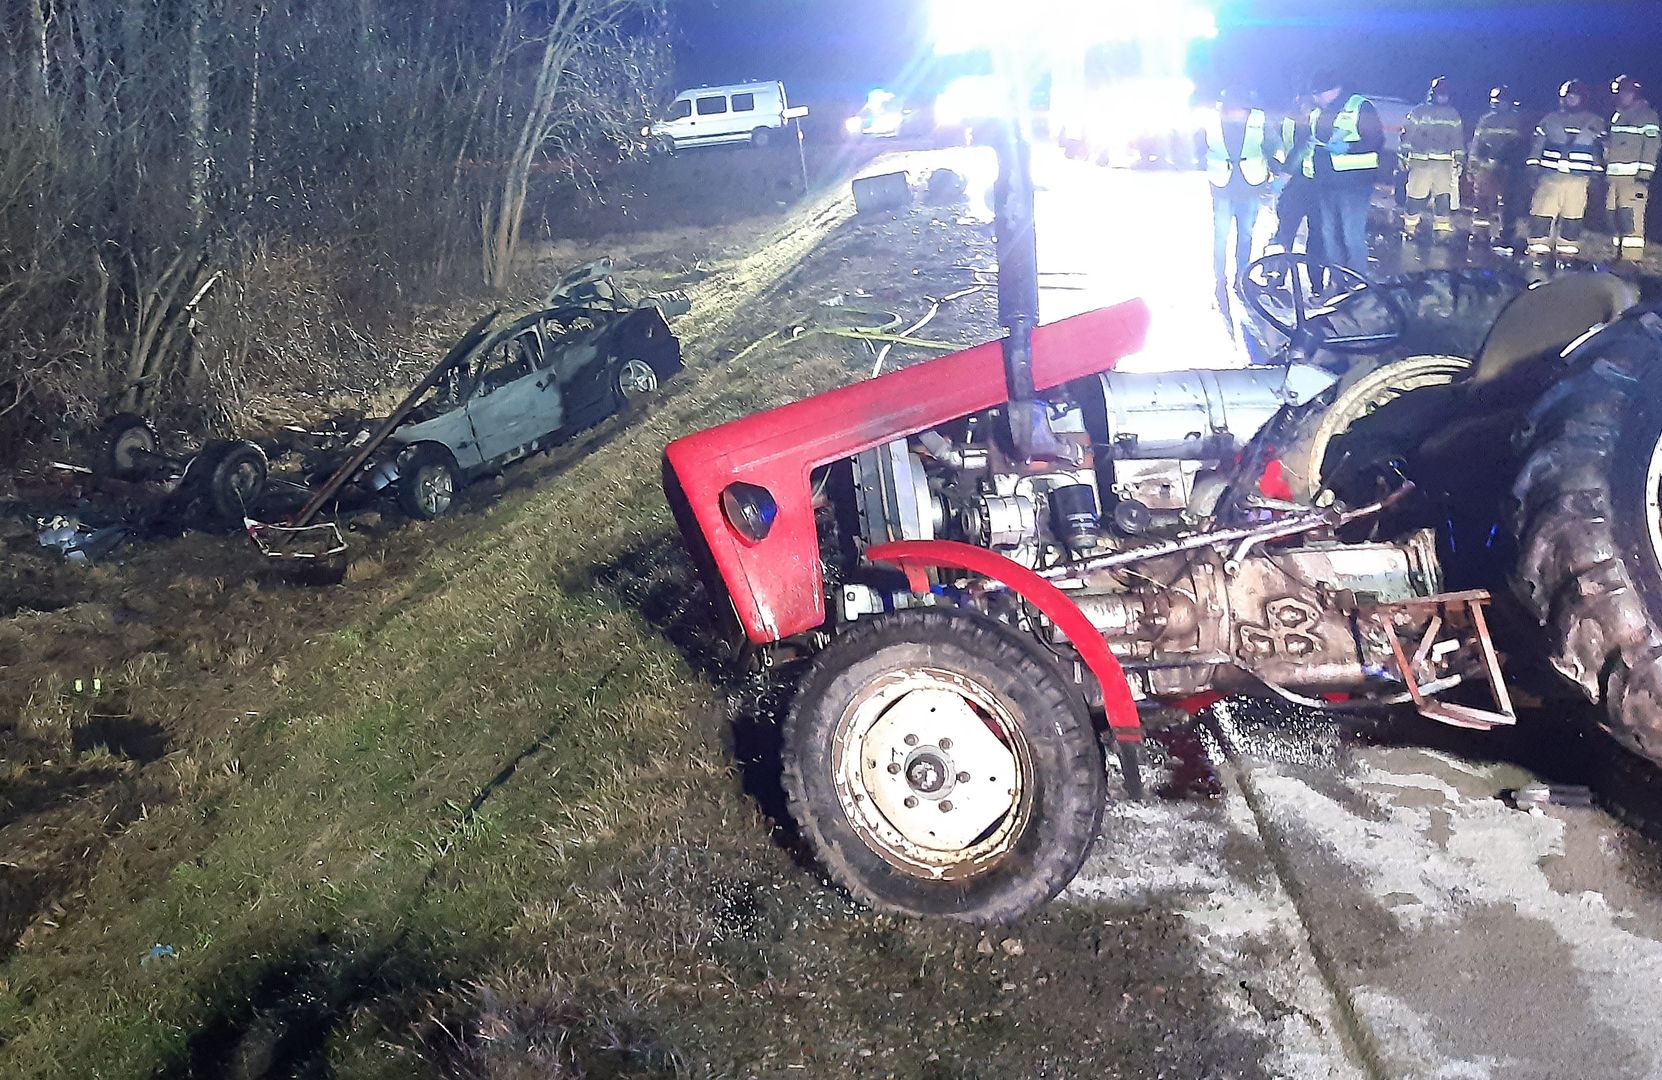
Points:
x=1568 y=153
x=1346 y=137
x=1497 y=150
x=1297 y=204
x=1630 y=163
x=1432 y=154
x=1241 y=147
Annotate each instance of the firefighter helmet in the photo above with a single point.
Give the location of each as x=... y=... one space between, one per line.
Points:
x=1627 y=84
x=1501 y=95
x=1441 y=86
x=1577 y=89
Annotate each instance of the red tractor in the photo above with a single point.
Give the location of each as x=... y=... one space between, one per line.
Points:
x=993 y=556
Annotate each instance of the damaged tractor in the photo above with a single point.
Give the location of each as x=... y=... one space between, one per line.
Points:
x=985 y=560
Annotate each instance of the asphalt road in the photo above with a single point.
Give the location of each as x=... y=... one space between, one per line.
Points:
x=1366 y=899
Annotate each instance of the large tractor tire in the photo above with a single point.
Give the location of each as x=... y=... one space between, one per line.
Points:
x=941 y=766
x=1589 y=531
x=1446 y=316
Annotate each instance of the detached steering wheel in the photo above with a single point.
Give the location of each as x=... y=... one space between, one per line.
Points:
x=1281 y=289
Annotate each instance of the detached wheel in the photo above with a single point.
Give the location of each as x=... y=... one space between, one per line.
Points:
x=635 y=380
x=1589 y=530
x=940 y=766
x=427 y=483
x=231 y=476
x=125 y=443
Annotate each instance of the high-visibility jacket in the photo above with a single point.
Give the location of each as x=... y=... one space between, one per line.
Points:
x=1358 y=157
x=1252 y=164
x=1635 y=137
x=1569 y=142
x=1499 y=138
x=1433 y=132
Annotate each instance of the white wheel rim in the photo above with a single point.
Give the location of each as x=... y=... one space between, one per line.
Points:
x=129 y=443
x=636 y=378
x=933 y=772
x=1374 y=391
x=1653 y=501
x=434 y=489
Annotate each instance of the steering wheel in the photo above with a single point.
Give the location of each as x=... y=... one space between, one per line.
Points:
x=1282 y=290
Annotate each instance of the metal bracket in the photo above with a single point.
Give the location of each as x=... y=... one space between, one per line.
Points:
x=1454 y=648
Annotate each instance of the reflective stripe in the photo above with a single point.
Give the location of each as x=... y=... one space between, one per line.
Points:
x=1623 y=168
x=1649 y=130
x=1253 y=165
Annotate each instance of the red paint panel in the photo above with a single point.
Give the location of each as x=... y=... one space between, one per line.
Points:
x=1058 y=608
x=776 y=585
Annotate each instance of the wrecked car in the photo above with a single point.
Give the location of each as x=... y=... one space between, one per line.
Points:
x=501 y=393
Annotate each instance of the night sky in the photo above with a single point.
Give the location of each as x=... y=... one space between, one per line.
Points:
x=831 y=51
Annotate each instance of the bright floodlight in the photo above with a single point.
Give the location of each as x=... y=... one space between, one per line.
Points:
x=1049 y=25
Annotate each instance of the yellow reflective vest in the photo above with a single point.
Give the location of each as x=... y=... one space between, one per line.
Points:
x=1253 y=164
x=1347 y=126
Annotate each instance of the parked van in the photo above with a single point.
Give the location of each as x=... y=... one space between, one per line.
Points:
x=714 y=115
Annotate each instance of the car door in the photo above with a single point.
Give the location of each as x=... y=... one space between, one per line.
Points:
x=516 y=400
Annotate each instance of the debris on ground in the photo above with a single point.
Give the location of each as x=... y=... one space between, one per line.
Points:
x=879 y=194
x=1536 y=796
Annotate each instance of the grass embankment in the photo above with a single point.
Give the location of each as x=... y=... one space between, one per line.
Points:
x=496 y=830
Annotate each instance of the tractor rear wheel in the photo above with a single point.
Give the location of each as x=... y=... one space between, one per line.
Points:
x=1447 y=316
x=940 y=766
x=1588 y=522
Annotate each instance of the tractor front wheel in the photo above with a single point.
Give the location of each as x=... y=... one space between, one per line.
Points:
x=940 y=766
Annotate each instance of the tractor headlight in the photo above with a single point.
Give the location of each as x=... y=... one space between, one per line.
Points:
x=751 y=510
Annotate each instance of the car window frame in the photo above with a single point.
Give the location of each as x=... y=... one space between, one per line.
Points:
x=699 y=102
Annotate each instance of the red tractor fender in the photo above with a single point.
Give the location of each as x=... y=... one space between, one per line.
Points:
x=915 y=556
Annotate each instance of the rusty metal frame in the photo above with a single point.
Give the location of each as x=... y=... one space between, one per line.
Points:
x=1446 y=608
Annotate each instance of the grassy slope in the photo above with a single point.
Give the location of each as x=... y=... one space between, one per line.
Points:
x=497 y=828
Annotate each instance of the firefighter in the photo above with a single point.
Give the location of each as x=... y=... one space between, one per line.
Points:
x=1498 y=149
x=1568 y=153
x=1241 y=148
x=1432 y=153
x=1346 y=137
x=1630 y=163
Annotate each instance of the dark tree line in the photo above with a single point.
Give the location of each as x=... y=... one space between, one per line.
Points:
x=173 y=170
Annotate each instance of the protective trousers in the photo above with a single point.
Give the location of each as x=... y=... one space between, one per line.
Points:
x=1433 y=183
x=1562 y=196
x=1489 y=185
x=1628 y=199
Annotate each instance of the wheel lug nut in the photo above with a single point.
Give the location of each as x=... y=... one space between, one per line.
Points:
x=945 y=744
x=946 y=806
x=911 y=740
x=911 y=802
x=963 y=778
x=894 y=768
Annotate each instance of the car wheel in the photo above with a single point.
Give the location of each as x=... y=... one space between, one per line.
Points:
x=761 y=137
x=427 y=483
x=124 y=442
x=939 y=765
x=232 y=477
x=635 y=379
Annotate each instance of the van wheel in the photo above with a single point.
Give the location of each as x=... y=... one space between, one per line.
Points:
x=761 y=137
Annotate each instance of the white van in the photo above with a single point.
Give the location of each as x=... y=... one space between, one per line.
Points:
x=713 y=115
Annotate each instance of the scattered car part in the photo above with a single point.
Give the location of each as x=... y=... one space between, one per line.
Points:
x=882 y=193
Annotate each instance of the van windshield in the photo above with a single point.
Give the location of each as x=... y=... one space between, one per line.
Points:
x=681 y=109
